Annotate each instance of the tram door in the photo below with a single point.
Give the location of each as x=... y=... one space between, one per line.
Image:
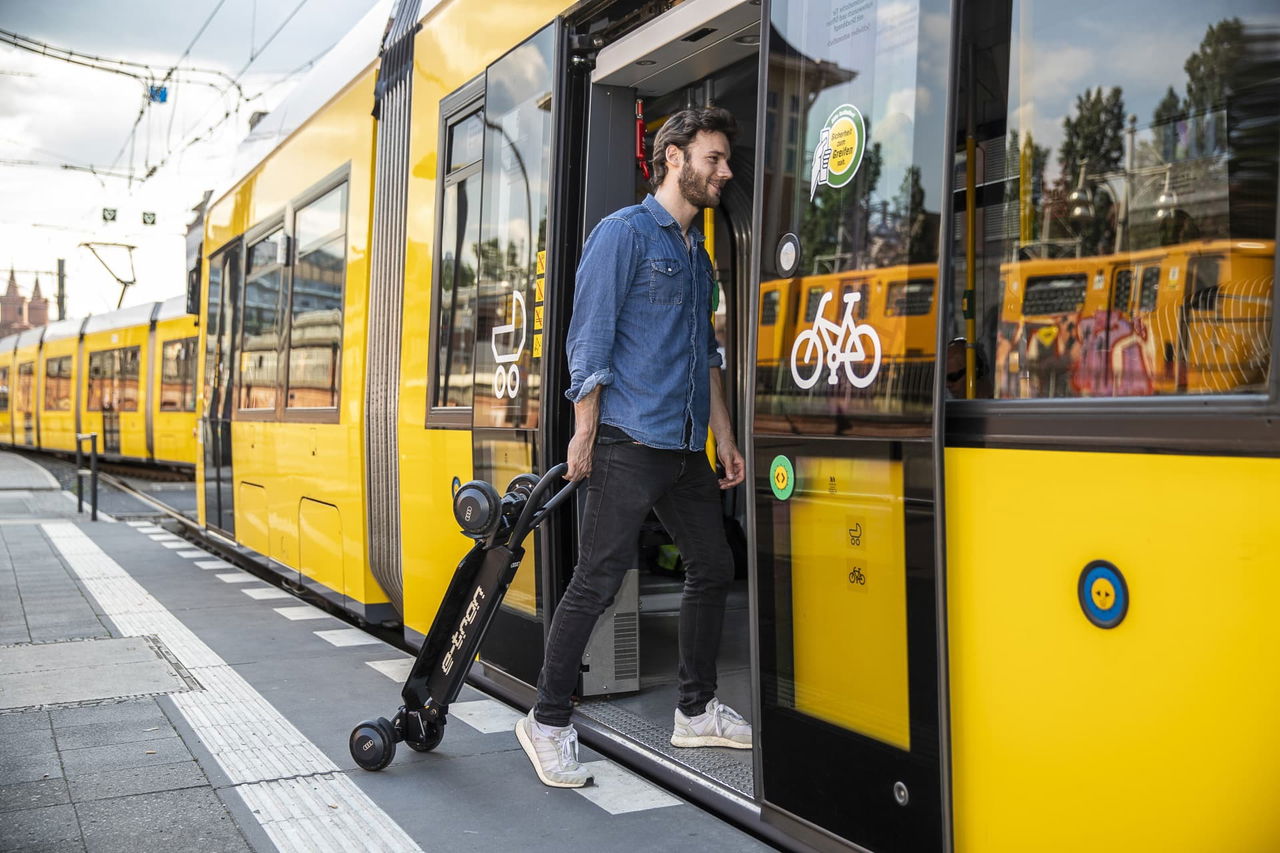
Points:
x=221 y=299
x=850 y=197
x=511 y=301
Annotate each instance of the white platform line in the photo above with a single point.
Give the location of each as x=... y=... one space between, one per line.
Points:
x=347 y=637
x=487 y=716
x=148 y=528
x=163 y=537
x=214 y=564
x=236 y=577
x=303 y=613
x=193 y=553
x=397 y=670
x=173 y=546
x=619 y=791
x=266 y=593
x=139 y=524
x=256 y=747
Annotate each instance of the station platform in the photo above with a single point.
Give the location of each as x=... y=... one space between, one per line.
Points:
x=155 y=697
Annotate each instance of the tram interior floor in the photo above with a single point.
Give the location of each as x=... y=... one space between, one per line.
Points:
x=647 y=716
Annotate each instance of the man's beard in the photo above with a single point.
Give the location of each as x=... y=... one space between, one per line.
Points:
x=695 y=189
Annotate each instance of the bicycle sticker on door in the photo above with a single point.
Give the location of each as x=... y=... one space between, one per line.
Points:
x=855 y=347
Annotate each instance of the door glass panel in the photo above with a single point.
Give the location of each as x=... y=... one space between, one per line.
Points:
x=260 y=335
x=853 y=199
x=513 y=231
x=1105 y=175
x=846 y=346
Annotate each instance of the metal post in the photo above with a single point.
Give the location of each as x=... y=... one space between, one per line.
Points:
x=79 y=476
x=92 y=438
x=93 y=477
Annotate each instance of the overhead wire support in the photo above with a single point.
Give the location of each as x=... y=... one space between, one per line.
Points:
x=144 y=73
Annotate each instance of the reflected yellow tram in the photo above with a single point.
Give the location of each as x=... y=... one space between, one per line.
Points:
x=128 y=376
x=974 y=621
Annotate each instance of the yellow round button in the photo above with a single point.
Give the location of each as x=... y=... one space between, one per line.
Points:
x=1103 y=593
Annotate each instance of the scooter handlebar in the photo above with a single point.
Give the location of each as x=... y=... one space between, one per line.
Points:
x=534 y=511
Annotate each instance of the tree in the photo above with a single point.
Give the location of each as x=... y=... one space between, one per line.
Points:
x=1095 y=137
x=1096 y=134
x=1210 y=67
x=836 y=224
x=1164 y=124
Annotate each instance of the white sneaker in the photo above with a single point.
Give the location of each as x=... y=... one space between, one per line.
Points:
x=555 y=756
x=719 y=725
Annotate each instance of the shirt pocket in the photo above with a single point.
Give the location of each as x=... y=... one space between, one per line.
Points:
x=666 y=281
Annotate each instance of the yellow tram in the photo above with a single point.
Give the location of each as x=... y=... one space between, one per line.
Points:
x=1035 y=621
x=127 y=375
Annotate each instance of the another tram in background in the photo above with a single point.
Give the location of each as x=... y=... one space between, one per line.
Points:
x=965 y=622
x=128 y=375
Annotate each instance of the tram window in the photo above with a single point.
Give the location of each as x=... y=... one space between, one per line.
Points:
x=315 y=300
x=1122 y=290
x=260 y=324
x=57 y=384
x=1150 y=286
x=113 y=380
x=26 y=381
x=466 y=141
x=1155 y=170
x=178 y=376
x=1203 y=285
x=769 y=308
x=457 y=264
x=812 y=300
x=1047 y=294
x=4 y=389
x=909 y=298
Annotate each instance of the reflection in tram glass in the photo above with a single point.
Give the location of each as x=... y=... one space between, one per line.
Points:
x=1124 y=212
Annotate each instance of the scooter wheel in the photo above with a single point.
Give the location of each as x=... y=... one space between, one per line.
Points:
x=434 y=734
x=373 y=744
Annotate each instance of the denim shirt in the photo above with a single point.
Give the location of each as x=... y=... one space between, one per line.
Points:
x=642 y=328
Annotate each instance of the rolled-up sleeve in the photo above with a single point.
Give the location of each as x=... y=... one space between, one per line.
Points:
x=604 y=276
x=714 y=359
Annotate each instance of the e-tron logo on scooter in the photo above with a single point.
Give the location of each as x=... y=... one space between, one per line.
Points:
x=460 y=636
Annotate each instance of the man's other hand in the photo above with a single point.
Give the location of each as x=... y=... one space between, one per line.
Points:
x=734 y=467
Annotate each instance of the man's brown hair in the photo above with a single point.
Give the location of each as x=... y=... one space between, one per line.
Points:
x=681 y=129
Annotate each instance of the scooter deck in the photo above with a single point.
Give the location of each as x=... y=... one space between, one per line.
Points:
x=475 y=592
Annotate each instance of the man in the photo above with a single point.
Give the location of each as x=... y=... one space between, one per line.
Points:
x=645 y=371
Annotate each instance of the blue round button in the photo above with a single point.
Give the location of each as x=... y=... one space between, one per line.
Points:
x=1103 y=593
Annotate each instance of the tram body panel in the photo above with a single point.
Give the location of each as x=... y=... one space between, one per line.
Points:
x=57 y=398
x=1158 y=733
x=8 y=374
x=298 y=469
x=114 y=389
x=25 y=397
x=173 y=391
x=461 y=45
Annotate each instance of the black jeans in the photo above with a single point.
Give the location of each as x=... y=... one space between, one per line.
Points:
x=628 y=480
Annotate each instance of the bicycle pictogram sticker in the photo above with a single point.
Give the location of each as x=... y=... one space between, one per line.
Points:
x=853 y=346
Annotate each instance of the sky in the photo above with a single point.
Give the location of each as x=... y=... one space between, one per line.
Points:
x=54 y=112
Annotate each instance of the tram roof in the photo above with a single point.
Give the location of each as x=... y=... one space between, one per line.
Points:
x=134 y=315
x=61 y=329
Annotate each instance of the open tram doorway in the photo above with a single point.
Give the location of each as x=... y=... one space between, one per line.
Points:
x=699 y=53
